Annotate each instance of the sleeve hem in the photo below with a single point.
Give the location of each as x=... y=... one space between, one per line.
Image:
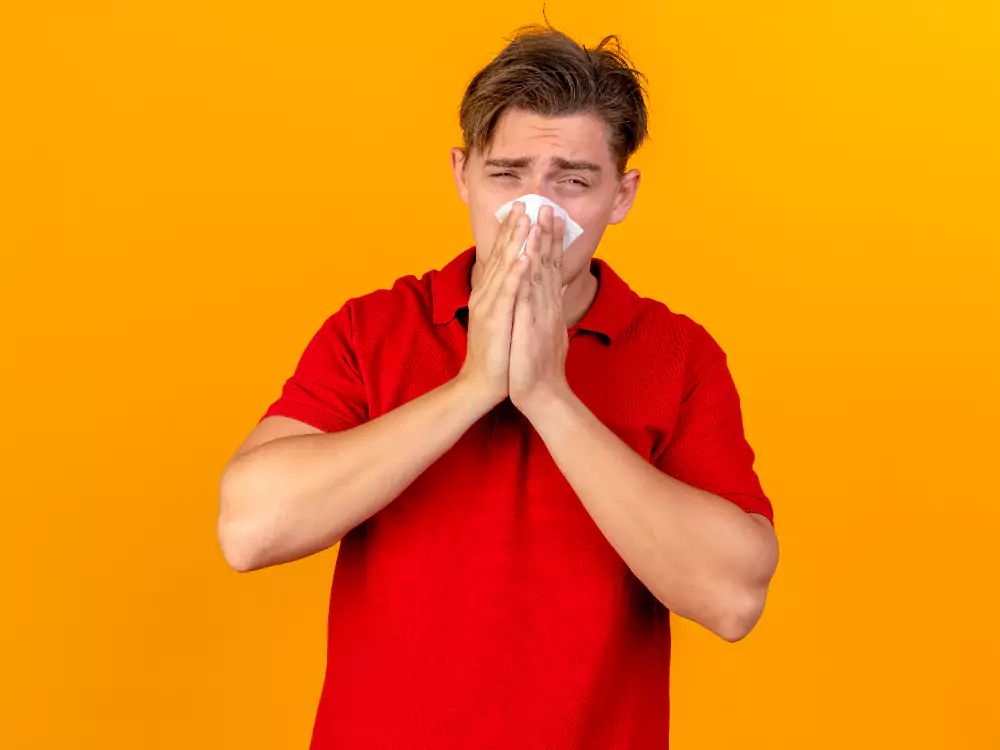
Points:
x=308 y=414
x=750 y=503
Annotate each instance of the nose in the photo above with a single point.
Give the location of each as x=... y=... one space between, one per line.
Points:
x=536 y=187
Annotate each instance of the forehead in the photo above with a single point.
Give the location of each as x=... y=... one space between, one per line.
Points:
x=520 y=133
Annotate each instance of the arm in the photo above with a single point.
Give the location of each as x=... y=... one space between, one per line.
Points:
x=297 y=495
x=702 y=556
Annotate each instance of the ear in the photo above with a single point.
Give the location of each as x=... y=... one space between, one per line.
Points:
x=628 y=185
x=458 y=164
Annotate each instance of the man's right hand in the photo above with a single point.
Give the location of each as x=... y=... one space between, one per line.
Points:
x=491 y=310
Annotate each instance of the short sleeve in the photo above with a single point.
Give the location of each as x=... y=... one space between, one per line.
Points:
x=708 y=448
x=326 y=389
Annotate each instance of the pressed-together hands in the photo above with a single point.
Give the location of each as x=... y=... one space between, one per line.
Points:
x=517 y=338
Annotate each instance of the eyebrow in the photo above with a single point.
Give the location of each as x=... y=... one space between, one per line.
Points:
x=521 y=162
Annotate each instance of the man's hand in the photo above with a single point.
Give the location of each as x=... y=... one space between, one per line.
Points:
x=491 y=311
x=539 y=341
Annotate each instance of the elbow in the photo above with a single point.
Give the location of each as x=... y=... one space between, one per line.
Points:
x=744 y=602
x=256 y=530
x=235 y=536
x=240 y=559
x=735 y=630
x=237 y=548
x=740 y=616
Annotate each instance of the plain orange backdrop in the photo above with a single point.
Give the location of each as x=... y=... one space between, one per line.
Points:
x=188 y=189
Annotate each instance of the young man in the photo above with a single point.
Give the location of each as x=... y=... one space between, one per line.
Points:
x=527 y=465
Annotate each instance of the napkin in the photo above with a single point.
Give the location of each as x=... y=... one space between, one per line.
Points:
x=532 y=203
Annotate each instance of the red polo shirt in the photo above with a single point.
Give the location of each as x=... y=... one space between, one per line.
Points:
x=483 y=607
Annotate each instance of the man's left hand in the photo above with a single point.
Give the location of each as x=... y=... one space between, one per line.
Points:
x=539 y=340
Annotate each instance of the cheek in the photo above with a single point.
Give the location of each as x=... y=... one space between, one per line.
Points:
x=582 y=249
x=589 y=216
x=485 y=229
x=593 y=219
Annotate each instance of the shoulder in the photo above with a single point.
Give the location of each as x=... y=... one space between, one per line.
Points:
x=679 y=345
x=654 y=323
x=399 y=304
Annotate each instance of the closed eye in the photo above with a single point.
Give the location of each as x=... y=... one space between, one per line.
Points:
x=508 y=174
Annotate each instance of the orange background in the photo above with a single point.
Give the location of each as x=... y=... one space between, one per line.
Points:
x=188 y=189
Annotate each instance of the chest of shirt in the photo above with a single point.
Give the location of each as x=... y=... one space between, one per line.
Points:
x=634 y=393
x=495 y=509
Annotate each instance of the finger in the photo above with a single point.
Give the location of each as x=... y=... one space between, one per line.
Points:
x=515 y=242
x=524 y=316
x=555 y=262
x=524 y=297
x=492 y=261
x=485 y=282
x=513 y=295
x=498 y=265
x=507 y=229
x=545 y=220
x=536 y=286
x=507 y=260
x=545 y=260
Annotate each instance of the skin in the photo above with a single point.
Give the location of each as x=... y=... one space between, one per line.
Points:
x=702 y=556
x=593 y=199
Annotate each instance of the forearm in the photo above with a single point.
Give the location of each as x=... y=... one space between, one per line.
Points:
x=702 y=556
x=297 y=495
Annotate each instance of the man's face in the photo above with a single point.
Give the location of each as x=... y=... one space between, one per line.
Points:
x=565 y=159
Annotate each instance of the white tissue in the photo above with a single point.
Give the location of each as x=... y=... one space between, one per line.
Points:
x=532 y=203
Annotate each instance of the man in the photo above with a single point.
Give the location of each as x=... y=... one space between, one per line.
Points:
x=527 y=465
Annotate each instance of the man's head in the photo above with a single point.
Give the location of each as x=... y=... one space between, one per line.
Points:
x=549 y=116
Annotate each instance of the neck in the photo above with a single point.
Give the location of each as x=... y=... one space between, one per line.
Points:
x=579 y=296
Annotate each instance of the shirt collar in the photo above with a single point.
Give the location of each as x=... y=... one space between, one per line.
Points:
x=608 y=315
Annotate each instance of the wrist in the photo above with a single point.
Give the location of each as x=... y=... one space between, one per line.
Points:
x=544 y=401
x=474 y=394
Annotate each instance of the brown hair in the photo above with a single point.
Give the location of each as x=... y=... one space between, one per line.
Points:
x=546 y=72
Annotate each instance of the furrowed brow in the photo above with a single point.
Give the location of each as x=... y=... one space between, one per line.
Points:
x=576 y=166
x=519 y=162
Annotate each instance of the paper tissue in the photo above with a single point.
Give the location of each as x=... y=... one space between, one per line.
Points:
x=532 y=203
